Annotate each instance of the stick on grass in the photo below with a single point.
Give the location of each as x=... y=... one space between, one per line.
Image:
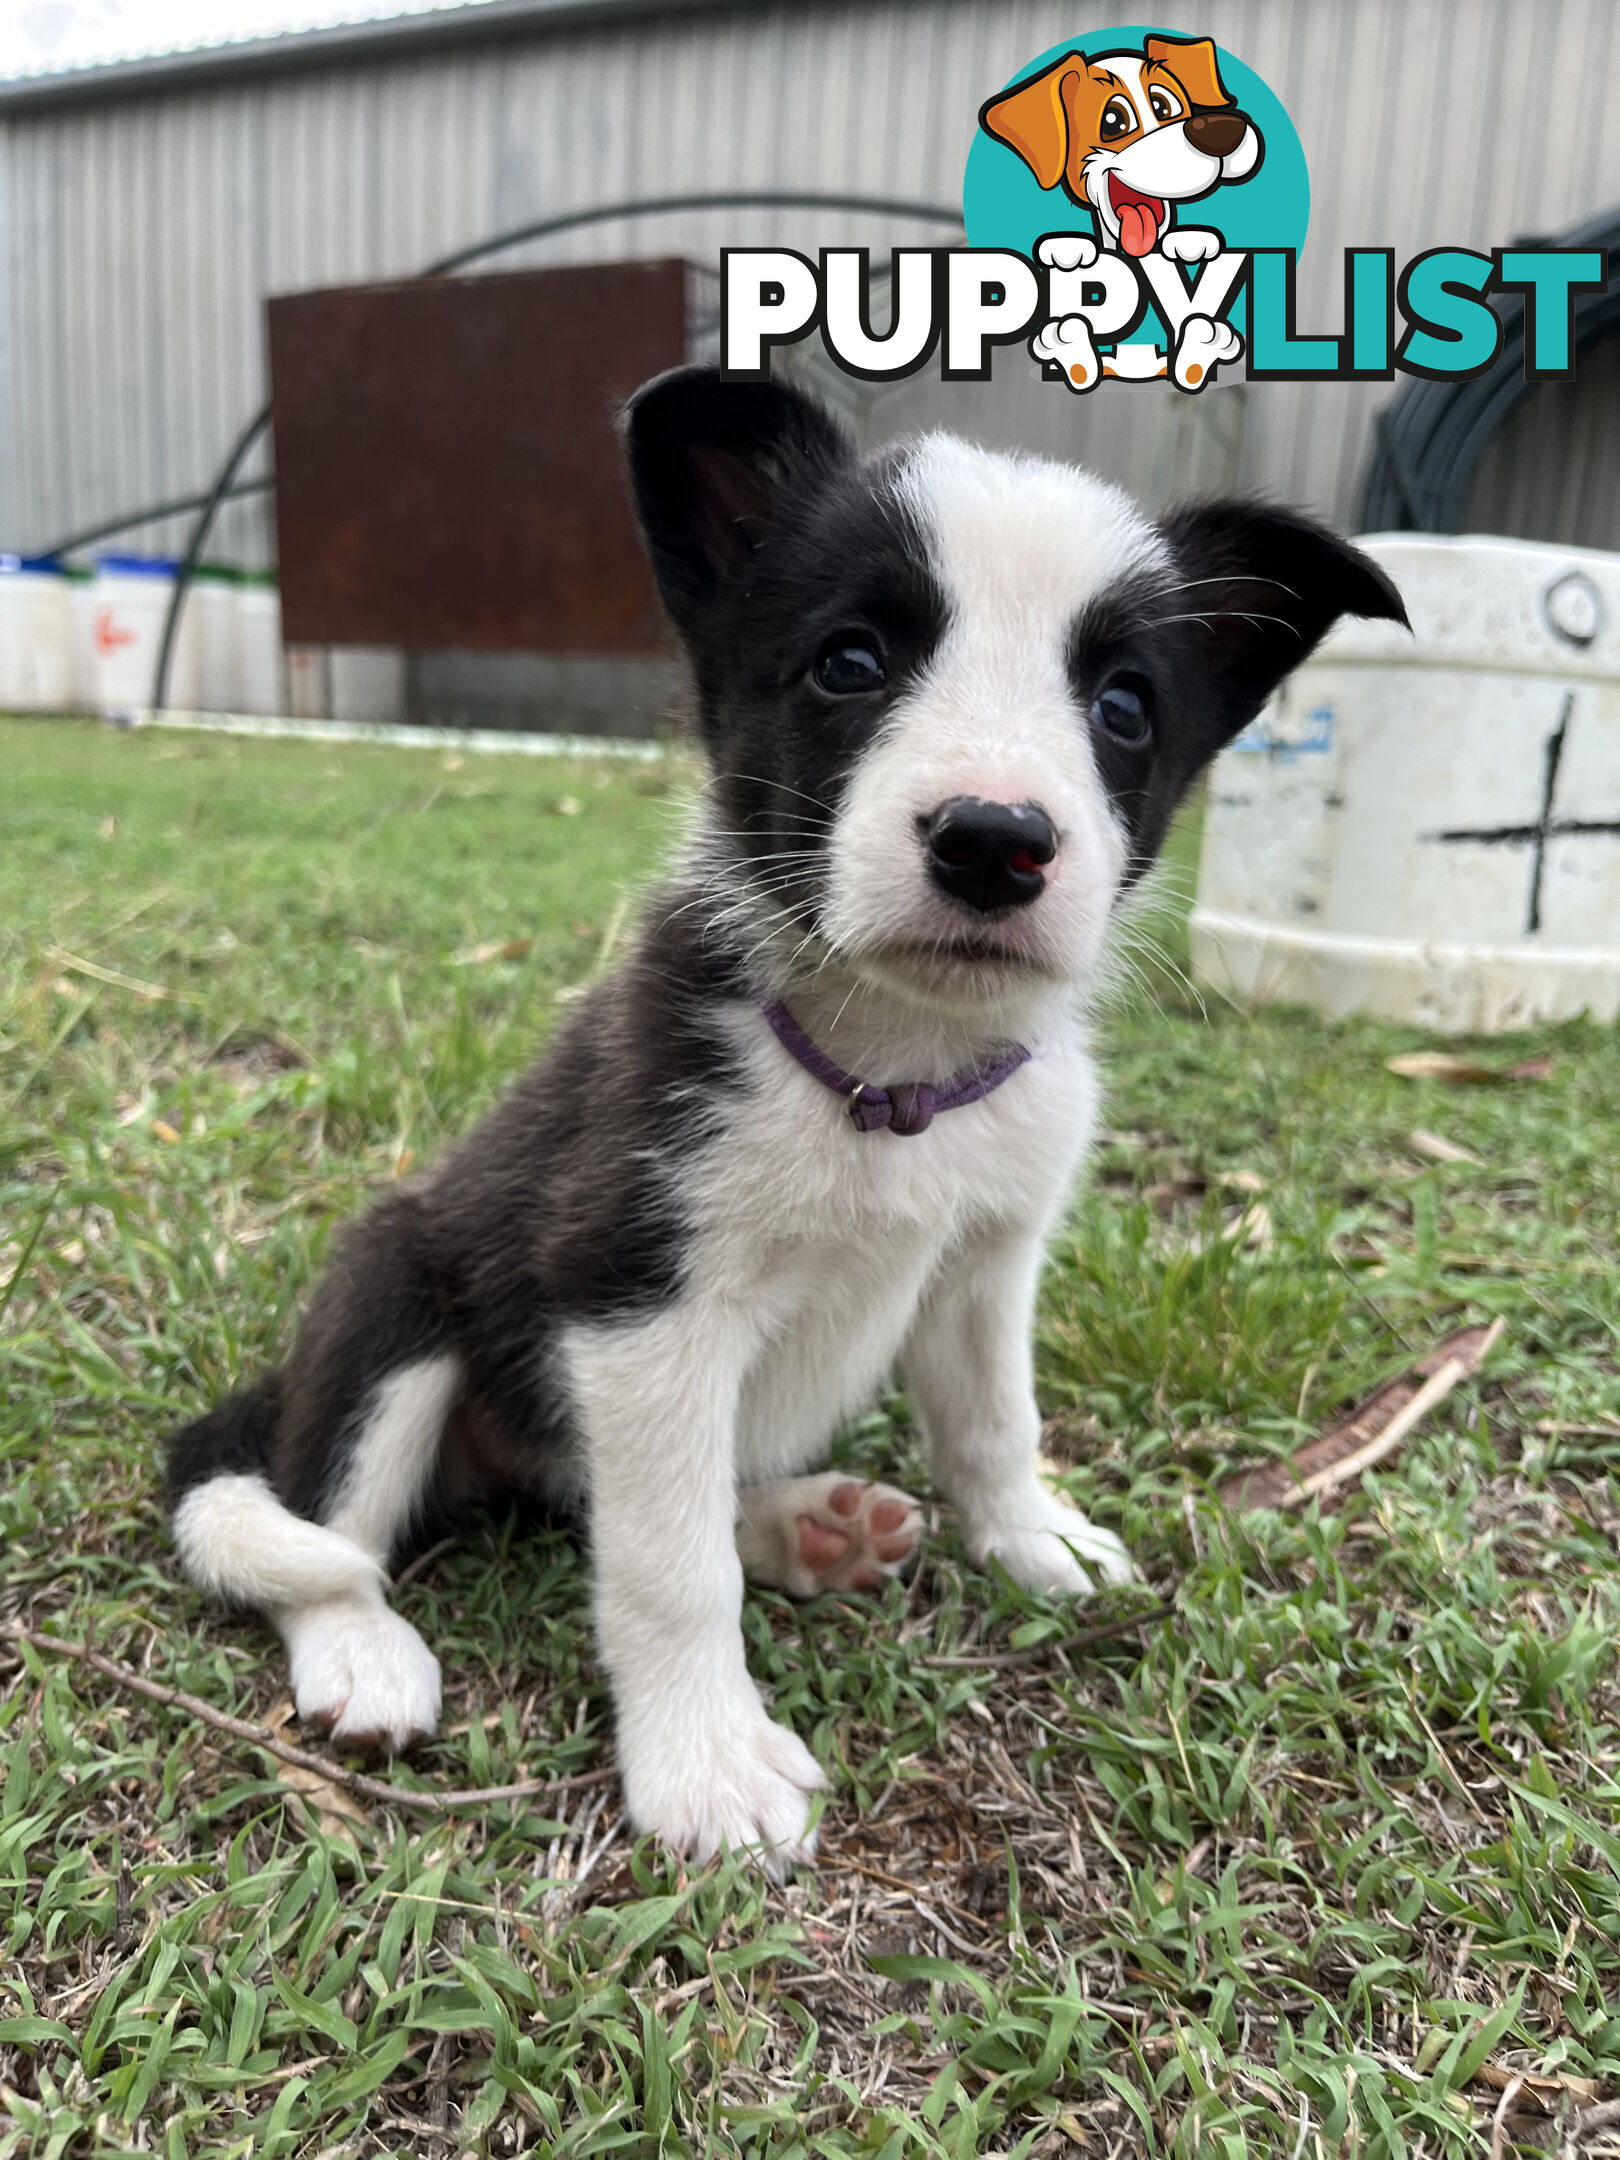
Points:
x=368 y=1788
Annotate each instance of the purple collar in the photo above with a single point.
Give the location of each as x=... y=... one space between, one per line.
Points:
x=907 y=1108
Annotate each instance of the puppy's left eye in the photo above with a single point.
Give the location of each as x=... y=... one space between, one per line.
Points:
x=850 y=667
x=1120 y=712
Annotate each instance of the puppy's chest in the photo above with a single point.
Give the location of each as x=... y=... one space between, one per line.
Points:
x=791 y=1194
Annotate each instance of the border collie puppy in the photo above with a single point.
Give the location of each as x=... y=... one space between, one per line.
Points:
x=818 y=1125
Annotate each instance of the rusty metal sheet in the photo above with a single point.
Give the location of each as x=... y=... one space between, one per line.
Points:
x=447 y=474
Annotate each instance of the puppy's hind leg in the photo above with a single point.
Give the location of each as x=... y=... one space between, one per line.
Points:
x=825 y=1532
x=358 y=1670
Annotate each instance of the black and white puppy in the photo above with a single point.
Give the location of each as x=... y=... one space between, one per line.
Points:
x=820 y=1122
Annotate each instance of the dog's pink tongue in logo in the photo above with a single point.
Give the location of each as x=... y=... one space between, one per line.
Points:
x=1140 y=216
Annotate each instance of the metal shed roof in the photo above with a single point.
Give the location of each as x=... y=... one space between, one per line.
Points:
x=288 y=53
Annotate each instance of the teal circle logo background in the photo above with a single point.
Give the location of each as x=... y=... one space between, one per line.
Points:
x=1004 y=205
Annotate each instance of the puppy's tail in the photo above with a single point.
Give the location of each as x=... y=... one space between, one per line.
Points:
x=235 y=1538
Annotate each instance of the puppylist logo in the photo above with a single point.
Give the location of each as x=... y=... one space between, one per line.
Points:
x=1136 y=201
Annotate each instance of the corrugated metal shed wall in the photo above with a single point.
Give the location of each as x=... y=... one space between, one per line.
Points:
x=139 y=237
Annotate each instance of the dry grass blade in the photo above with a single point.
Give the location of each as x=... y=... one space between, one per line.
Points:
x=1373 y=1430
x=149 y=993
x=1437 y=1148
x=369 y=1788
x=516 y=948
x=1465 y=1072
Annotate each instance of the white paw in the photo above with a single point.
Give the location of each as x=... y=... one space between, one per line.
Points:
x=730 y=1778
x=362 y=1673
x=1201 y=347
x=1066 y=251
x=1187 y=243
x=1046 y=1545
x=828 y=1532
x=1067 y=343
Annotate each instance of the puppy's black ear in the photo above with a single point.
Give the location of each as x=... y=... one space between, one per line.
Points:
x=1261 y=588
x=713 y=463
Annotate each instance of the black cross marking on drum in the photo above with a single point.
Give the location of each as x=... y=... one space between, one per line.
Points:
x=1546 y=827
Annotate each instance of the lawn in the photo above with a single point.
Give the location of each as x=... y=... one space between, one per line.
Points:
x=1322 y=1862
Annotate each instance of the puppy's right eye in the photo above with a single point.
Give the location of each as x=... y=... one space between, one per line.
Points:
x=849 y=667
x=1118 y=119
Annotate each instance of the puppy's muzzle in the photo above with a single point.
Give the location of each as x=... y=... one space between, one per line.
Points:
x=989 y=855
x=1217 y=134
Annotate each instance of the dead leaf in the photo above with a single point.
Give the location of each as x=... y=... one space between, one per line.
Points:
x=165 y=1131
x=1248 y=1181
x=454 y=762
x=516 y=948
x=1465 y=1072
x=1438 y=1148
x=1373 y=1430
x=1546 y=2092
x=403 y=1161
x=568 y=806
x=109 y=828
x=335 y=1810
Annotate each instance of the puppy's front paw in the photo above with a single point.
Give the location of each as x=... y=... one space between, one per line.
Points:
x=362 y=1674
x=1046 y=1545
x=740 y=1781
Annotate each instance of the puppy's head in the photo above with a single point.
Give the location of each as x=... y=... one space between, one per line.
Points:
x=1129 y=134
x=952 y=697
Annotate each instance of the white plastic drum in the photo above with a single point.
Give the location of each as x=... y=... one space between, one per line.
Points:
x=264 y=663
x=132 y=594
x=213 y=613
x=36 y=637
x=1427 y=828
x=81 y=585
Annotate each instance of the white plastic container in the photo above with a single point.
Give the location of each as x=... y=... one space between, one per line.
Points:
x=263 y=673
x=81 y=585
x=213 y=610
x=36 y=637
x=1428 y=828
x=132 y=594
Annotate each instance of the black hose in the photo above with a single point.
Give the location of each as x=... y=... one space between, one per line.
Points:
x=539 y=229
x=1429 y=439
x=111 y=527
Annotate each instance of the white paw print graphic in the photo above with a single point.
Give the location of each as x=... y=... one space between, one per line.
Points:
x=1067 y=342
x=1067 y=251
x=1200 y=349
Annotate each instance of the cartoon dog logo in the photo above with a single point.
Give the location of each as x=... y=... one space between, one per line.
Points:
x=1130 y=136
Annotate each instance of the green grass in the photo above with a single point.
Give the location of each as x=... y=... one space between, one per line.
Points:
x=1316 y=1866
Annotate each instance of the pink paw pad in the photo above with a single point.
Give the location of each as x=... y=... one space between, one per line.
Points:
x=858 y=1536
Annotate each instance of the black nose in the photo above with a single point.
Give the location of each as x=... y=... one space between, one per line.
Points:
x=988 y=854
x=1218 y=133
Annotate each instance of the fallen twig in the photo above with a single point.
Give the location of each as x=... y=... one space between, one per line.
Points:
x=1588 y=2123
x=1373 y=1430
x=369 y=1788
x=422 y=1562
x=998 y=1659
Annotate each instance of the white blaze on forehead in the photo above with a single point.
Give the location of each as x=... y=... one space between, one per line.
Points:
x=1019 y=548
x=1020 y=545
